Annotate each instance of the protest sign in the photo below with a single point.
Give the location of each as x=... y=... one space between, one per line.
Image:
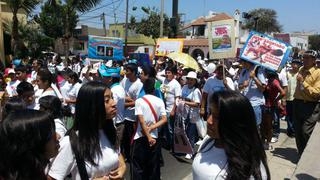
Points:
x=266 y=51
x=222 y=39
x=106 y=48
x=166 y=46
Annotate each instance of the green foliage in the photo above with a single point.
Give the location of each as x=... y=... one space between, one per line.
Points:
x=27 y=5
x=266 y=20
x=150 y=26
x=314 y=42
x=16 y=5
x=32 y=41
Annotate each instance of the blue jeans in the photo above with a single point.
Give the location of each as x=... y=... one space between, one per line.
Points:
x=276 y=122
x=168 y=130
x=290 y=128
x=258 y=113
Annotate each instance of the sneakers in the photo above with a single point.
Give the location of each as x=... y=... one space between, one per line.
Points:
x=274 y=139
x=267 y=146
x=199 y=142
x=188 y=156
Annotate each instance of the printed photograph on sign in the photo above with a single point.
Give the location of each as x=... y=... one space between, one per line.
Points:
x=221 y=38
x=100 y=51
x=109 y=51
x=266 y=51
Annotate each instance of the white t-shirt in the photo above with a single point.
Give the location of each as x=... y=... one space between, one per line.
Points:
x=142 y=108
x=65 y=162
x=11 y=88
x=39 y=94
x=56 y=90
x=64 y=87
x=33 y=75
x=213 y=84
x=60 y=128
x=72 y=93
x=119 y=97
x=171 y=90
x=283 y=77
x=194 y=95
x=211 y=163
x=132 y=90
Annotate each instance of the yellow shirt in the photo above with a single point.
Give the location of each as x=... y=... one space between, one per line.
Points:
x=309 y=90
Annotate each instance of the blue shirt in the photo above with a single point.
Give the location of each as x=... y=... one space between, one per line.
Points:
x=252 y=92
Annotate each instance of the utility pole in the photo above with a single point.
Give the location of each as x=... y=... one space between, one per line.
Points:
x=126 y=30
x=175 y=19
x=161 y=18
x=103 y=17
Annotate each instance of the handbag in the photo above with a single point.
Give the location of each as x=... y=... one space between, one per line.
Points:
x=201 y=127
x=181 y=141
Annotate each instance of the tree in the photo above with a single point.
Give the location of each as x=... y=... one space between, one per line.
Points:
x=32 y=38
x=150 y=26
x=16 y=5
x=69 y=10
x=262 y=20
x=314 y=42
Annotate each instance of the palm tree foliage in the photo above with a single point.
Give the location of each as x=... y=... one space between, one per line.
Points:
x=19 y=5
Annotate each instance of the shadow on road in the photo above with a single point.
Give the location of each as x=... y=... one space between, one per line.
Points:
x=287 y=153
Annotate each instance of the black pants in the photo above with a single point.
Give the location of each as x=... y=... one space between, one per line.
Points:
x=128 y=133
x=145 y=160
x=304 y=119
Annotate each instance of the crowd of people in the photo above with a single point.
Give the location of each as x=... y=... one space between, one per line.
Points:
x=81 y=120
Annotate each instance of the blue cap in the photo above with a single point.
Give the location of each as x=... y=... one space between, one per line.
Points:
x=109 y=72
x=134 y=61
x=16 y=62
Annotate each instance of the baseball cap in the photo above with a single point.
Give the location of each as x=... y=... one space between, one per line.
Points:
x=109 y=72
x=11 y=71
x=311 y=53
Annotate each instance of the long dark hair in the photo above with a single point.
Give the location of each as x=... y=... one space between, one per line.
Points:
x=239 y=135
x=51 y=104
x=90 y=117
x=13 y=104
x=23 y=137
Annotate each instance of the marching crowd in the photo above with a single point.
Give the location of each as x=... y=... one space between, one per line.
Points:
x=83 y=120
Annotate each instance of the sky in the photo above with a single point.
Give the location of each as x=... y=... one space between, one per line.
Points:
x=293 y=15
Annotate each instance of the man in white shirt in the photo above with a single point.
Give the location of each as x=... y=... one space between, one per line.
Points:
x=171 y=90
x=132 y=86
x=145 y=162
x=214 y=84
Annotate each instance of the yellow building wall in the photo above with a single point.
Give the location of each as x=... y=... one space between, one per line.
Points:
x=6 y=16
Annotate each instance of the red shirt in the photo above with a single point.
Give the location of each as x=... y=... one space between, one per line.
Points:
x=272 y=91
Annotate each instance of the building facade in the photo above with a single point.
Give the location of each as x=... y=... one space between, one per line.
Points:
x=5 y=38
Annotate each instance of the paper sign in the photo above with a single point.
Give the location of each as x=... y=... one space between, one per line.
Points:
x=166 y=46
x=266 y=51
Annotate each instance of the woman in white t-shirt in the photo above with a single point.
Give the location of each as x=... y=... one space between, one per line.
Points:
x=52 y=104
x=44 y=81
x=72 y=92
x=189 y=103
x=92 y=138
x=233 y=148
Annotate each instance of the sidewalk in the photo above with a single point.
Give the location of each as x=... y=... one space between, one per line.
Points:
x=282 y=160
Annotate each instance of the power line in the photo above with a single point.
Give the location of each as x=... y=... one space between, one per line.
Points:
x=106 y=5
